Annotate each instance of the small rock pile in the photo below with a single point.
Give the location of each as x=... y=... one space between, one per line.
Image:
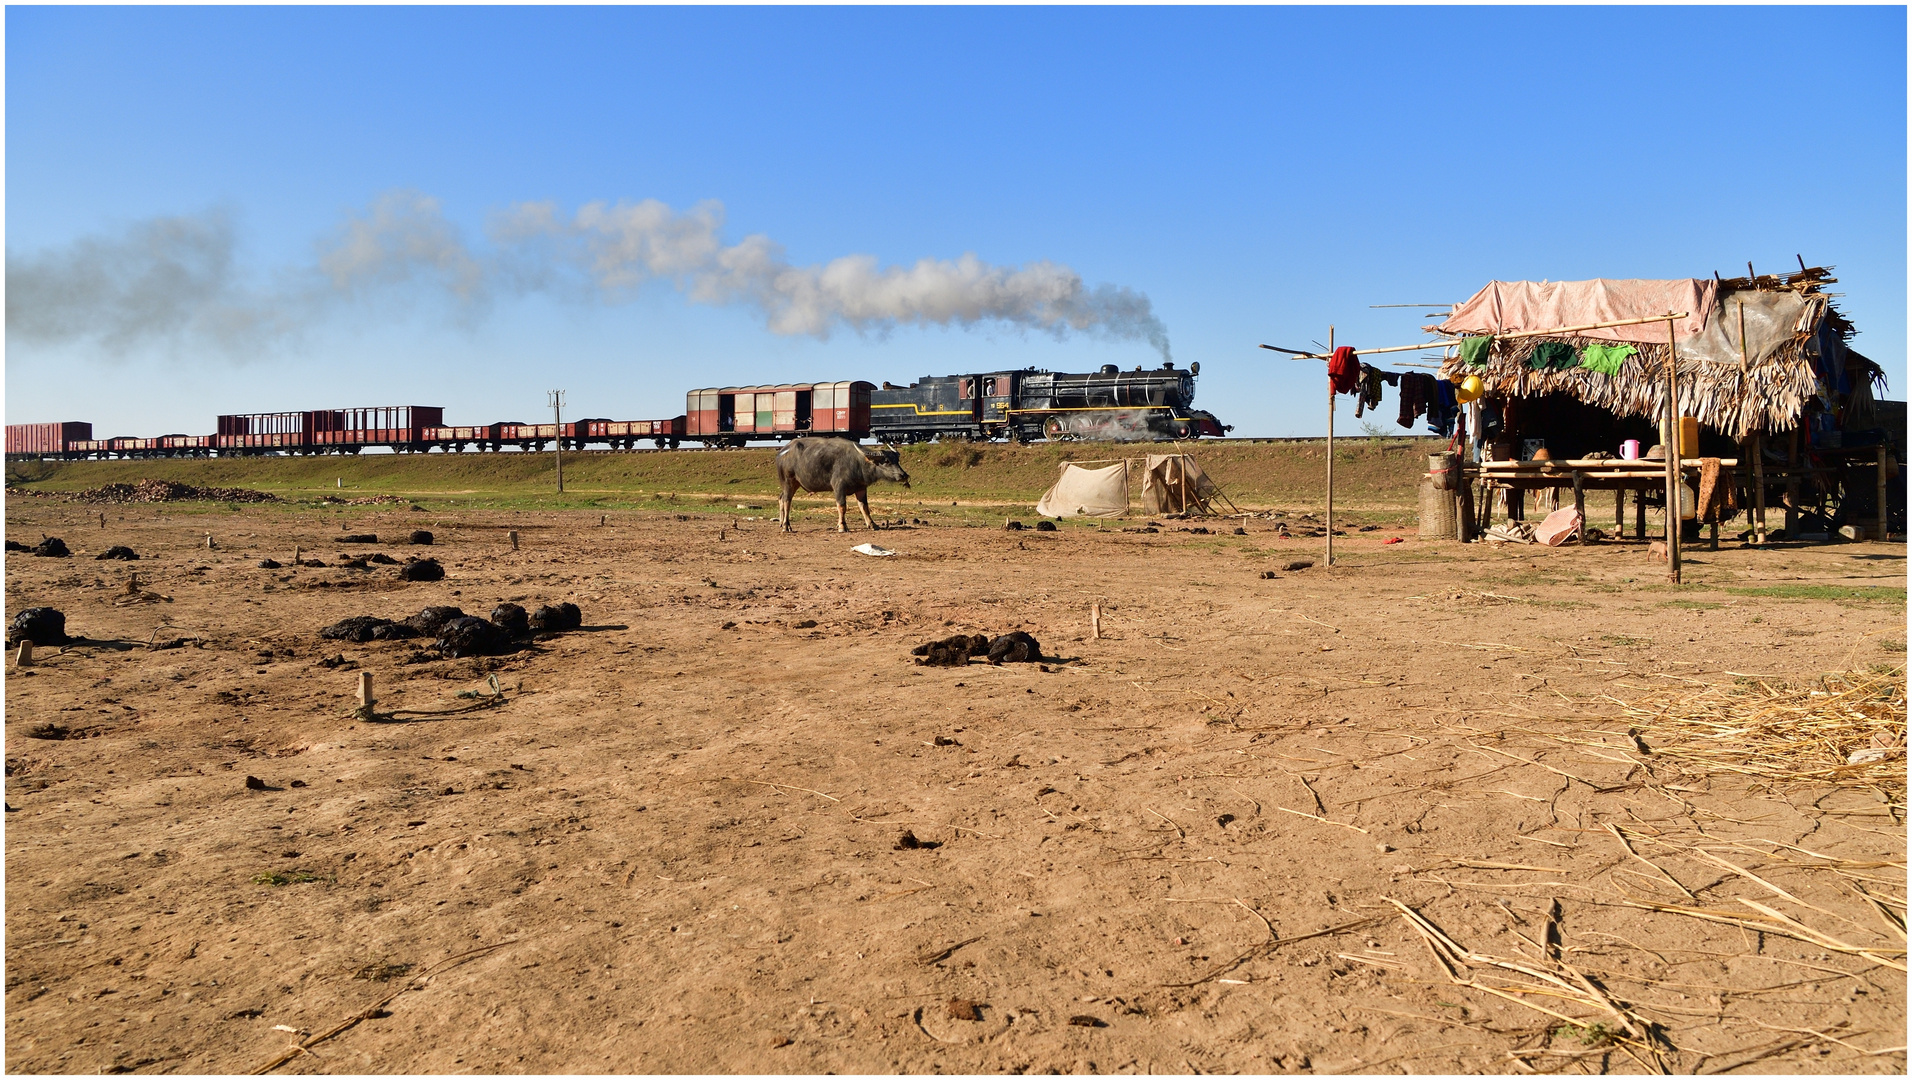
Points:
x=160 y=491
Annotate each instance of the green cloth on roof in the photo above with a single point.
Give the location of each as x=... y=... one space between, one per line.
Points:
x=1552 y=354
x=1474 y=349
x=1605 y=359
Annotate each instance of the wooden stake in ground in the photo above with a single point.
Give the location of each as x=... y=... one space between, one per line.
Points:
x=513 y=534
x=1672 y=458
x=365 y=699
x=24 y=658
x=1095 y=622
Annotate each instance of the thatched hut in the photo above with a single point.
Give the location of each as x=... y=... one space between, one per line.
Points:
x=1756 y=357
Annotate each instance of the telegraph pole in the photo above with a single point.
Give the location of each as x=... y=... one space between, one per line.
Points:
x=556 y=398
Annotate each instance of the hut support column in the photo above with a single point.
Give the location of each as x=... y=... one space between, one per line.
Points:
x=1672 y=457
x=1792 y=483
x=1330 y=556
x=1759 y=488
x=1885 y=517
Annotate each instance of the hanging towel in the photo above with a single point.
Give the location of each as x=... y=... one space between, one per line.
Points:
x=1344 y=371
x=1370 y=395
x=1605 y=359
x=1417 y=390
x=1443 y=409
x=1474 y=350
x=1552 y=354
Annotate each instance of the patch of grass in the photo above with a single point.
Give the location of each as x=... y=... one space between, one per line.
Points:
x=1374 y=482
x=1625 y=641
x=381 y=972
x=1892 y=646
x=1587 y=1034
x=1692 y=605
x=1866 y=593
x=275 y=879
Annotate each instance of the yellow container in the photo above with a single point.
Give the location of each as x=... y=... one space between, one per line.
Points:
x=1689 y=436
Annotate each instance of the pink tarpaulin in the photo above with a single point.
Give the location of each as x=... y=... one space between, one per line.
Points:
x=1504 y=307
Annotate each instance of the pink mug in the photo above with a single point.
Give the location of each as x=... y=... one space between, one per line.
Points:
x=1630 y=450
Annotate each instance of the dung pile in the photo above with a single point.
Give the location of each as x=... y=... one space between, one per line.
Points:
x=120 y=552
x=952 y=651
x=1014 y=647
x=421 y=570
x=459 y=634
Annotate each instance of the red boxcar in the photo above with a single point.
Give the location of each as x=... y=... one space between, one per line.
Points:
x=185 y=442
x=392 y=425
x=46 y=439
x=628 y=431
x=736 y=413
x=263 y=431
x=457 y=437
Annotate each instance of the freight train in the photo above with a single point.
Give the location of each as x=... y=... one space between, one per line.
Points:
x=1020 y=405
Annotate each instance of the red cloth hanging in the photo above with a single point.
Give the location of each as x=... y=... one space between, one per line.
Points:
x=1344 y=371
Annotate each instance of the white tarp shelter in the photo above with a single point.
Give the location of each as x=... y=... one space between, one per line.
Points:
x=1081 y=492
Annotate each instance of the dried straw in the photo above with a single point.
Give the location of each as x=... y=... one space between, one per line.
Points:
x=1786 y=734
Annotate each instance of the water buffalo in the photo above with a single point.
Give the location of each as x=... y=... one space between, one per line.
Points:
x=838 y=466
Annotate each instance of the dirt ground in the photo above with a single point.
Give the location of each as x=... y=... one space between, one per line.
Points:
x=675 y=846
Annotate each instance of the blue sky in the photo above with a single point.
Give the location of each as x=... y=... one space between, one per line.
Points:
x=1255 y=173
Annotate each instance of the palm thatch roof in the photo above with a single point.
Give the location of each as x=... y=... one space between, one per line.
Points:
x=1793 y=348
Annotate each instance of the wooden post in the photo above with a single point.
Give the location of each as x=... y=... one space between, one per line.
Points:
x=24 y=658
x=1095 y=622
x=1792 y=483
x=1672 y=457
x=557 y=444
x=1759 y=488
x=1580 y=507
x=1329 y=455
x=1620 y=513
x=365 y=699
x=1885 y=518
x=513 y=534
x=1639 y=514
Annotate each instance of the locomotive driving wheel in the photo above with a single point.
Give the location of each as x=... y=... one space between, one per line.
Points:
x=1052 y=428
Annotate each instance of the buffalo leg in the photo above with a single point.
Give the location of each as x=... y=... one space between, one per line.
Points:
x=863 y=500
x=783 y=505
x=842 y=506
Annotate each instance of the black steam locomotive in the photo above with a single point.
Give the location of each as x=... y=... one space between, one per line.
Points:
x=1110 y=404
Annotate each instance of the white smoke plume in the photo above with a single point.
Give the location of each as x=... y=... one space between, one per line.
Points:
x=172 y=280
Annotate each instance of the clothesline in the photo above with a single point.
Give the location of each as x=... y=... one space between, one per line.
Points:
x=1300 y=355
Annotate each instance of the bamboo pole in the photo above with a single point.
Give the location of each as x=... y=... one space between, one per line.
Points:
x=1300 y=355
x=1329 y=559
x=1672 y=457
x=1743 y=365
x=1759 y=488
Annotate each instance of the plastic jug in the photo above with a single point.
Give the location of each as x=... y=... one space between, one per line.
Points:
x=1630 y=450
